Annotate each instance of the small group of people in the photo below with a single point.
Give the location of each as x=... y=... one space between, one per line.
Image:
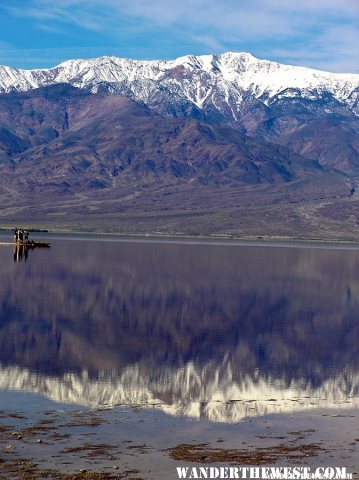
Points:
x=21 y=236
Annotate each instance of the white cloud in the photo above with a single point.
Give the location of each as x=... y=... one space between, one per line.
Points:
x=336 y=48
x=44 y=56
x=318 y=33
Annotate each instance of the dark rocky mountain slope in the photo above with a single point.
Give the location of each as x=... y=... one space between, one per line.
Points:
x=105 y=161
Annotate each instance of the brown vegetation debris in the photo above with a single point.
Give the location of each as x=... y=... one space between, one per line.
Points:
x=91 y=449
x=21 y=469
x=203 y=453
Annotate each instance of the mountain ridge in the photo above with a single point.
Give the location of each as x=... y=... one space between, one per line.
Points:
x=262 y=78
x=125 y=137
x=266 y=100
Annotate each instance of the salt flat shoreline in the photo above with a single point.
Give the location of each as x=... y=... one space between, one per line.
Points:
x=221 y=240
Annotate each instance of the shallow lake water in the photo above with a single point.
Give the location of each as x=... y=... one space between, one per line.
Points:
x=174 y=342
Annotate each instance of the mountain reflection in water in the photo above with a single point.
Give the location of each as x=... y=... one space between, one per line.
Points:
x=211 y=331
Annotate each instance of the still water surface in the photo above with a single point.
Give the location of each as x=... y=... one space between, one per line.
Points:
x=217 y=332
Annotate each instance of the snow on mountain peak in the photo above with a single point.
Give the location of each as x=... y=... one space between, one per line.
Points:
x=204 y=78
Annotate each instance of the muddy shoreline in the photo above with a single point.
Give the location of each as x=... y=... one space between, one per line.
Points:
x=135 y=443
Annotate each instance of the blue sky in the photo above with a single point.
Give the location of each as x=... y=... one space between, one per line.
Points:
x=322 y=34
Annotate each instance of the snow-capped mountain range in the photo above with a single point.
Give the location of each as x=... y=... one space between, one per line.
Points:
x=120 y=126
x=223 y=82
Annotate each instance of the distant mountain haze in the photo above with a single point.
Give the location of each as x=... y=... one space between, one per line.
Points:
x=168 y=146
